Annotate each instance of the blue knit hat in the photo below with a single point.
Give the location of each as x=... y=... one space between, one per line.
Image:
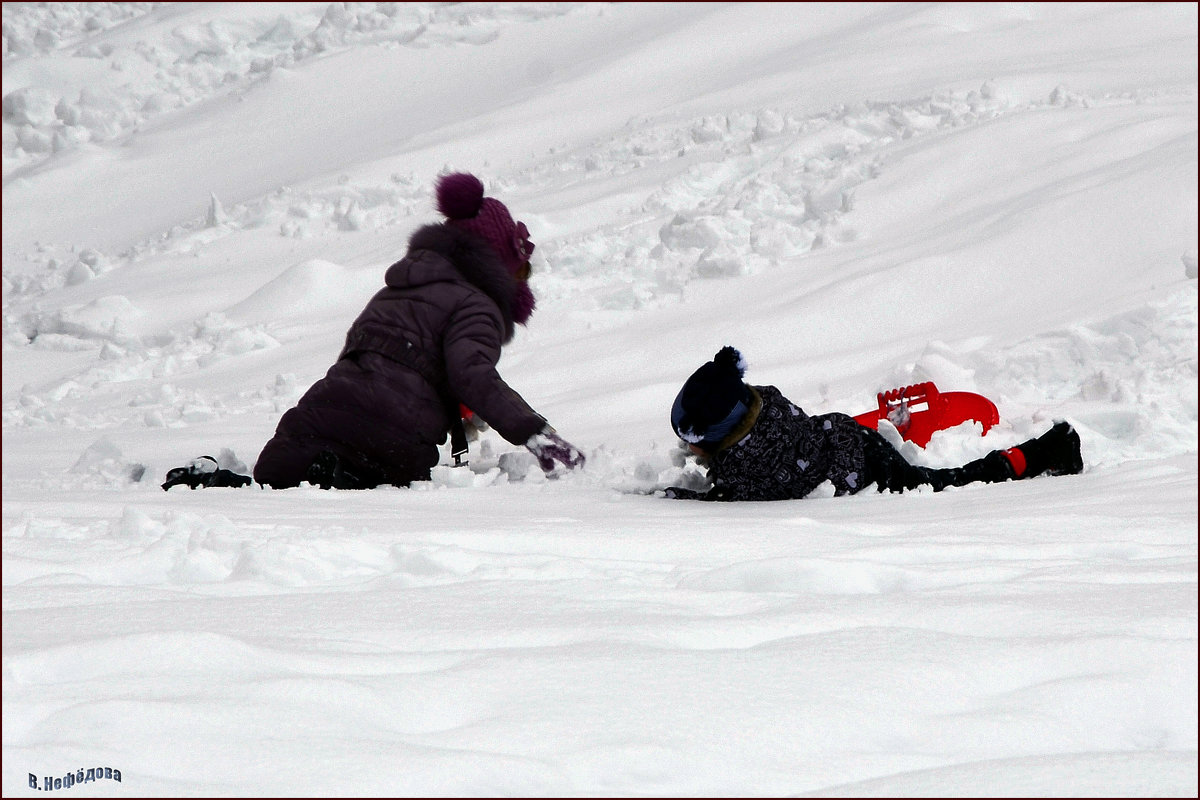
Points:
x=712 y=401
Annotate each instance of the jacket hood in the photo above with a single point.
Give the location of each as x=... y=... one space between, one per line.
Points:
x=444 y=253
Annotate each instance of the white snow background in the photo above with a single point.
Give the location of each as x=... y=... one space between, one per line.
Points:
x=1002 y=198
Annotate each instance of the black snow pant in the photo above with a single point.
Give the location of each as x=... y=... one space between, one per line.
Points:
x=889 y=470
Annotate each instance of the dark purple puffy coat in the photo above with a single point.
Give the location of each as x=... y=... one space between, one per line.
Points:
x=428 y=340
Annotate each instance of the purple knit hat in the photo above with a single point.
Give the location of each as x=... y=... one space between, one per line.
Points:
x=460 y=198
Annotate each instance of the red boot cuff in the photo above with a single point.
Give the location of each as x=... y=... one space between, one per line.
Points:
x=1017 y=459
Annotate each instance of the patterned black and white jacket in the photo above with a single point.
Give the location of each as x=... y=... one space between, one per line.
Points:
x=780 y=453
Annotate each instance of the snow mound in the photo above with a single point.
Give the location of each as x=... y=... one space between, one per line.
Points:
x=308 y=289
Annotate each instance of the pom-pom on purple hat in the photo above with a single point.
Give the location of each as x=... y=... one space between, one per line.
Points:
x=460 y=198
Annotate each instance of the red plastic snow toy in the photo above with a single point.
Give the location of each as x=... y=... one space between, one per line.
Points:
x=919 y=410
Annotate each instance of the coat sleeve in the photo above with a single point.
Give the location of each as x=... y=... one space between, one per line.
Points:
x=471 y=347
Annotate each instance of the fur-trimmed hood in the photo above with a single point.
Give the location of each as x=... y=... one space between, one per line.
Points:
x=433 y=248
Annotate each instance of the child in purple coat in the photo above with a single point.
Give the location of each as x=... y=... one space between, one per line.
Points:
x=758 y=445
x=423 y=347
x=426 y=343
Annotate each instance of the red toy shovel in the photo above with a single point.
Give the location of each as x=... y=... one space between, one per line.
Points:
x=919 y=410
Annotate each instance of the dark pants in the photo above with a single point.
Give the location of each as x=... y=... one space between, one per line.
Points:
x=891 y=472
x=363 y=461
x=285 y=462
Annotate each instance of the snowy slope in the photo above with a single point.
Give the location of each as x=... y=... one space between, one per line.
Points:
x=1001 y=198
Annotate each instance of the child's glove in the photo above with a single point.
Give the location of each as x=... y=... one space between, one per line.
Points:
x=552 y=450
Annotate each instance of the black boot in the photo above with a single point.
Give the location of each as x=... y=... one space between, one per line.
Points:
x=1055 y=452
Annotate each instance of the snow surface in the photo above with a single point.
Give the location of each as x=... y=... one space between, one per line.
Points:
x=1002 y=198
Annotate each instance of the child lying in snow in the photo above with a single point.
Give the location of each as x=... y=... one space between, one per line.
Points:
x=760 y=446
